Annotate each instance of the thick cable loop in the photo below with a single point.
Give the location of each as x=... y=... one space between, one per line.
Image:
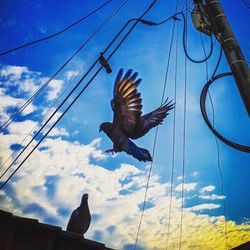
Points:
x=204 y=114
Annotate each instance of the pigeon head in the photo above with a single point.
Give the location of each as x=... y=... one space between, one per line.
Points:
x=106 y=126
x=84 y=198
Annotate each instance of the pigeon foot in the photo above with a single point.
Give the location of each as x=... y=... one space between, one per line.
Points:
x=112 y=151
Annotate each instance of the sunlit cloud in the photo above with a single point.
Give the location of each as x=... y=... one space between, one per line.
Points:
x=51 y=182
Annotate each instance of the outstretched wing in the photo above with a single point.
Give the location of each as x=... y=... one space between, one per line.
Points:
x=140 y=154
x=154 y=118
x=127 y=102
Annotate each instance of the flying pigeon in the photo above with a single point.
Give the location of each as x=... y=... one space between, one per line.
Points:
x=128 y=121
x=104 y=63
x=80 y=218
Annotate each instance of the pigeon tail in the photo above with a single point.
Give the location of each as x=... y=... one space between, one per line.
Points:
x=140 y=154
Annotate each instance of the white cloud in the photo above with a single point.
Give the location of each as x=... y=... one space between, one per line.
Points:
x=14 y=72
x=212 y=197
x=55 y=87
x=209 y=188
x=179 y=178
x=61 y=170
x=205 y=206
x=58 y=132
x=186 y=187
x=9 y=101
x=71 y=74
x=28 y=82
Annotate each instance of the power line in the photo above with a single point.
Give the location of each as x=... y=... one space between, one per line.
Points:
x=185 y=44
x=183 y=147
x=80 y=93
x=57 y=33
x=173 y=140
x=42 y=118
x=216 y=140
x=52 y=115
x=156 y=132
x=121 y=4
x=24 y=106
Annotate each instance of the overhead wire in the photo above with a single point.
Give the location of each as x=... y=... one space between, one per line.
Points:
x=185 y=44
x=24 y=106
x=118 y=7
x=216 y=140
x=183 y=146
x=42 y=118
x=173 y=132
x=81 y=91
x=121 y=4
x=203 y=95
x=156 y=131
x=184 y=41
x=58 y=32
x=57 y=99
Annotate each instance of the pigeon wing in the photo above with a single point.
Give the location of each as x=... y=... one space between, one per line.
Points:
x=86 y=223
x=154 y=118
x=73 y=218
x=140 y=154
x=126 y=103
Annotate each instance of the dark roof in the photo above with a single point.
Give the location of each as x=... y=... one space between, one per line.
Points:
x=19 y=233
x=245 y=246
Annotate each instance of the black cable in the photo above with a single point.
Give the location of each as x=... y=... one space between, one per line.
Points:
x=183 y=148
x=184 y=41
x=174 y=125
x=218 y=62
x=79 y=94
x=133 y=19
x=57 y=33
x=24 y=106
x=156 y=132
x=65 y=99
x=204 y=114
x=216 y=139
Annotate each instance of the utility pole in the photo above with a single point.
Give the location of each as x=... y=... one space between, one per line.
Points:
x=231 y=48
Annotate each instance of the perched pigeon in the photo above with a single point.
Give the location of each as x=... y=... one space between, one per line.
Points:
x=80 y=218
x=128 y=121
x=104 y=63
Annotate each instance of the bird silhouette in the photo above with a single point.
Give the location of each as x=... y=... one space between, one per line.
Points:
x=80 y=218
x=104 y=63
x=128 y=121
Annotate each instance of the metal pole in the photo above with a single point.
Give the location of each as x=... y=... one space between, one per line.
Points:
x=232 y=51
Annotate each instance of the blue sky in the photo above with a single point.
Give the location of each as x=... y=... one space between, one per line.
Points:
x=71 y=160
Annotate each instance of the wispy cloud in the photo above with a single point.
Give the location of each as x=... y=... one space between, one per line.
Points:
x=205 y=206
x=186 y=187
x=212 y=197
x=209 y=188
